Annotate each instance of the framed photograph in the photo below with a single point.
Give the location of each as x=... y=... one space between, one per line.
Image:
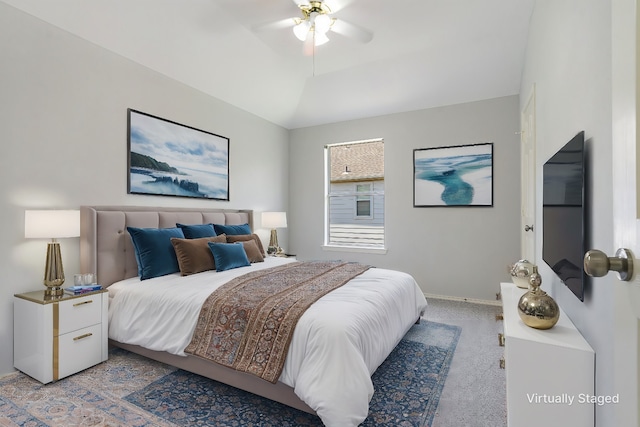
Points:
x=453 y=176
x=169 y=159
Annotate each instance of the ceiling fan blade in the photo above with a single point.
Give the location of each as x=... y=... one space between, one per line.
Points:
x=353 y=31
x=301 y=2
x=337 y=5
x=274 y=25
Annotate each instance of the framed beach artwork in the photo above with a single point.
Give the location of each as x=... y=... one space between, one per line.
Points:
x=453 y=176
x=169 y=159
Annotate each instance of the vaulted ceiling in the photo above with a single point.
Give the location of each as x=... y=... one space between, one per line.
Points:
x=424 y=53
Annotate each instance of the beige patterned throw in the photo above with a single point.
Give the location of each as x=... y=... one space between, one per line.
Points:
x=247 y=323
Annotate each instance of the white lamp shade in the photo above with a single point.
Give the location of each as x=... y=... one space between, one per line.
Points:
x=48 y=224
x=274 y=219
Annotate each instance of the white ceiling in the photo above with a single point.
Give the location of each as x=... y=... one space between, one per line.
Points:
x=424 y=53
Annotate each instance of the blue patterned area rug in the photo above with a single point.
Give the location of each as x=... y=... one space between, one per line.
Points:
x=130 y=390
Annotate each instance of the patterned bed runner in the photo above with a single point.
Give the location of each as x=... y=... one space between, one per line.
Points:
x=247 y=323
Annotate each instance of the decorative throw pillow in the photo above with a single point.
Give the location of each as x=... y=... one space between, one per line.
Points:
x=232 y=229
x=228 y=255
x=244 y=238
x=196 y=231
x=154 y=251
x=194 y=255
x=253 y=253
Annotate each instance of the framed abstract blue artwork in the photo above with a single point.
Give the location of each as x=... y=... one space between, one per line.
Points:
x=169 y=159
x=453 y=176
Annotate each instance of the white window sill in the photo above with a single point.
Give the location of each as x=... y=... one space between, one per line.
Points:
x=361 y=249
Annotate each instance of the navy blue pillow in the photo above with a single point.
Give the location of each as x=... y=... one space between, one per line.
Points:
x=197 y=231
x=228 y=255
x=232 y=230
x=154 y=251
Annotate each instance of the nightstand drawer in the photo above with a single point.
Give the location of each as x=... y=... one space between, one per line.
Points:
x=77 y=313
x=79 y=350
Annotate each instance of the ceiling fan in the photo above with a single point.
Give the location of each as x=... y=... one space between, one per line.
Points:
x=314 y=24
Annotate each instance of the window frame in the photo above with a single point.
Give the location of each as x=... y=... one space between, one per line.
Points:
x=371 y=194
x=362 y=196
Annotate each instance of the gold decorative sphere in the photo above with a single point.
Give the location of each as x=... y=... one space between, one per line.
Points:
x=521 y=272
x=537 y=309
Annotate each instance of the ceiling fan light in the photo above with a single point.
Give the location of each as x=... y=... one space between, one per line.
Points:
x=322 y=23
x=319 y=38
x=301 y=30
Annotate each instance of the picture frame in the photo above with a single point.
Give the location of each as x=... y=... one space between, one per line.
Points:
x=166 y=158
x=460 y=175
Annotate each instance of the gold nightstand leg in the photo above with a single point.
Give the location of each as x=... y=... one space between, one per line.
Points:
x=56 y=326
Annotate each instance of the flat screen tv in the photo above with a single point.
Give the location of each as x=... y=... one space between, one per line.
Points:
x=563 y=214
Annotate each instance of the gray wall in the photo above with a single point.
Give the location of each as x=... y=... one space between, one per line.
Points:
x=63 y=131
x=568 y=59
x=456 y=251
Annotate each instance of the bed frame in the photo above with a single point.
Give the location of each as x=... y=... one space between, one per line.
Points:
x=106 y=249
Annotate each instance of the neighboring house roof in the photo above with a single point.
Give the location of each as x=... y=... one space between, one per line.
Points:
x=363 y=161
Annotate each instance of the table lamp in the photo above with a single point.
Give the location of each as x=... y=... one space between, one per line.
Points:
x=274 y=220
x=52 y=224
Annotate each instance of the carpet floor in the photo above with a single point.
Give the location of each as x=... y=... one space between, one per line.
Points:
x=129 y=390
x=475 y=392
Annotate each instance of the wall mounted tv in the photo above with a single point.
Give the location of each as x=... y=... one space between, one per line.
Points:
x=564 y=214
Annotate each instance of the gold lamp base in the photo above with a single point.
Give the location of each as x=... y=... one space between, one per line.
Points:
x=274 y=248
x=53 y=270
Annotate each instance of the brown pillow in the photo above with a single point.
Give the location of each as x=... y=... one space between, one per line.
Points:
x=194 y=255
x=244 y=237
x=253 y=253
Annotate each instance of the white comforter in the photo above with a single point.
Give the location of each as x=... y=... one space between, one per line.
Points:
x=337 y=345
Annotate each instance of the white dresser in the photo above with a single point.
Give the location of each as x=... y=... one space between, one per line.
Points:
x=550 y=373
x=57 y=337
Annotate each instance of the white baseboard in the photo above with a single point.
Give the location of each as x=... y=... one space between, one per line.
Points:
x=472 y=300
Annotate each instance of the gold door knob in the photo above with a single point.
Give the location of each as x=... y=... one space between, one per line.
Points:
x=598 y=264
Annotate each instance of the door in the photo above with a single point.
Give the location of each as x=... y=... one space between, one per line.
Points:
x=528 y=179
x=625 y=79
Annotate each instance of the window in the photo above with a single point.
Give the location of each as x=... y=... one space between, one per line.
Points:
x=363 y=200
x=354 y=195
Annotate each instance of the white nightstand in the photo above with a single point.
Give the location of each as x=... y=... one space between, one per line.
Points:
x=556 y=363
x=54 y=337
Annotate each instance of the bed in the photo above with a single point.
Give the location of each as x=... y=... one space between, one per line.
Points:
x=347 y=333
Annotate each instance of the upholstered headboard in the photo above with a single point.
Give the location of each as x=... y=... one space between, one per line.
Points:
x=105 y=244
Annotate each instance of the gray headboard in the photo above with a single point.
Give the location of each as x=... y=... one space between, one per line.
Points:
x=105 y=244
